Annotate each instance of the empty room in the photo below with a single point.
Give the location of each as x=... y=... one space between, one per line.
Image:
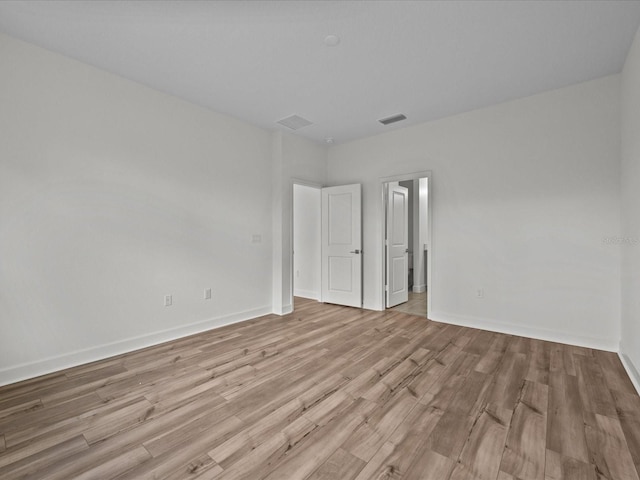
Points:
x=320 y=240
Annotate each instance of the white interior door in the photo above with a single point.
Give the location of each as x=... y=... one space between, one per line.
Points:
x=397 y=245
x=342 y=245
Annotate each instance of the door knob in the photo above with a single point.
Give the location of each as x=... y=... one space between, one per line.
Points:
x=355 y=251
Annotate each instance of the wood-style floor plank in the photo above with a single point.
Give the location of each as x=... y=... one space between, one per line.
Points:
x=339 y=465
x=608 y=449
x=524 y=452
x=329 y=392
x=565 y=424
x=627 y=407
x=561 y=467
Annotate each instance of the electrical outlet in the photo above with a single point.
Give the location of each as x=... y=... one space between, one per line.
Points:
x=207 y=294
x=256 y=238
x=168 y=300
x=480 y=293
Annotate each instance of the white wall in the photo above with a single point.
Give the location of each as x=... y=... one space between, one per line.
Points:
x=306 y=242
x=630 y=233
x=523 y=194
x=111 y=196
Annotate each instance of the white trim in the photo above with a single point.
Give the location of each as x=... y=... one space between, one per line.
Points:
x=285 y=310
x=632 y=371
x=403 y=177
x=521 y=331
x=419 y=288
x=48 y=365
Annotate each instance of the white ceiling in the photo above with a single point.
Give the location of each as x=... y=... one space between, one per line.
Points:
x=262 y=61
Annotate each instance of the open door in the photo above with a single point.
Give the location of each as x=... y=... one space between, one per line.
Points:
x=341 y=250
x=397 y=244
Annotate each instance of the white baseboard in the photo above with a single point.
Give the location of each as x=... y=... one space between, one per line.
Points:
x=310 y=294
x=521 y=331
x=631 y=369
x=284 y=310
x=45 y=366
x=419 y=288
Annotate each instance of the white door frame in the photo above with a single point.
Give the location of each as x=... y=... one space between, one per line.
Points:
x=381 y=189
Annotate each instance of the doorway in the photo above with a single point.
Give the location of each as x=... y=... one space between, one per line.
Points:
x=326 y=260
x=406 y=265
x=306 y=241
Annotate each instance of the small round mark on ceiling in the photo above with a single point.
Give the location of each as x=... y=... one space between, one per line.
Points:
x=331 y=40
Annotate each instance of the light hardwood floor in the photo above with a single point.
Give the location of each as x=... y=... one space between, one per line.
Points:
x=334 y=393
x=416 y=305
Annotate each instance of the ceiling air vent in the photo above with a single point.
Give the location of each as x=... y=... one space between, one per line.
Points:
x=392 y=119
x=294 y=122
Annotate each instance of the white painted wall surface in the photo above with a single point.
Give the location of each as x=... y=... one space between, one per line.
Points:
x=113 y=195
x=523 y=194
x=306 y=242
x=630 y=233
